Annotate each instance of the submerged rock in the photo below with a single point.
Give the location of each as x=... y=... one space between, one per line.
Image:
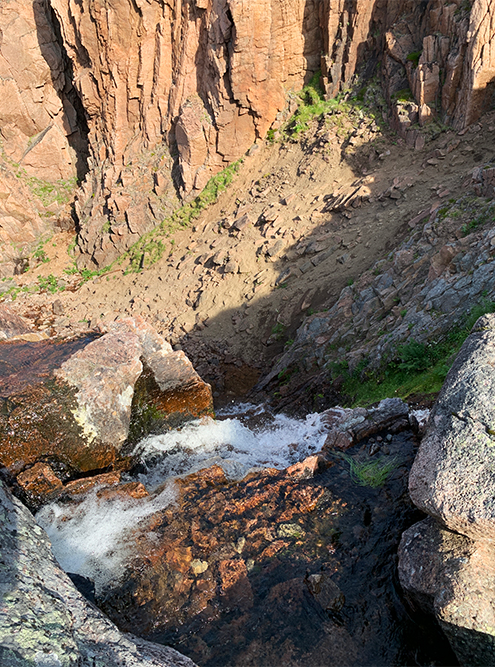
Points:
x=44 y=620
x=72 y=404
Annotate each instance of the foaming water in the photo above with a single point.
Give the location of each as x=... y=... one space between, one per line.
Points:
x=91 y=538
x=251 y=440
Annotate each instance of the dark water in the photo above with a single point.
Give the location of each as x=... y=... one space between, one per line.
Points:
x=269 y=613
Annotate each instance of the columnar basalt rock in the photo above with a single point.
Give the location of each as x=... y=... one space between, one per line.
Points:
x=207 y=77
x=42 y=138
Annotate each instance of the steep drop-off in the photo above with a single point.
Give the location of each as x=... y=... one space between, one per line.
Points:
x=168 y=93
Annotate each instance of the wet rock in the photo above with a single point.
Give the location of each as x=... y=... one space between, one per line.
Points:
x=307 y=468
x=453 y=475
x=347 y=427
x=74 y=403
x=235 y=588
x=250 y=567
x=39 y=482
x=325 y=591
x=44 y=620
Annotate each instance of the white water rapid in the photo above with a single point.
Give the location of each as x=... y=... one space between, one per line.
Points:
x=90 y=538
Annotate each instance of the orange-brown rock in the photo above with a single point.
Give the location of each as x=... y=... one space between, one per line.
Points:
x=134 y=490
x=74 y=403
x=253 y=567
x=80 y=487
x=41 y=132
x=446 y=53
x=39 y=483
x=110 y=89
x=12 y=325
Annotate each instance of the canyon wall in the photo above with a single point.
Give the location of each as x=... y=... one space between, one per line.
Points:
x=140 y=99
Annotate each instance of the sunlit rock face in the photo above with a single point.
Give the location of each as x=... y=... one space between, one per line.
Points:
x=73 y=403
x=130 y=93
x=42 y=130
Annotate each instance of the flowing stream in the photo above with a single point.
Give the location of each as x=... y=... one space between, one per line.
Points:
x=90 y=539
x=224 y=568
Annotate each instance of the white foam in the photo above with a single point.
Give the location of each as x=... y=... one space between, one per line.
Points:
x=91 y=538
x=232 y=445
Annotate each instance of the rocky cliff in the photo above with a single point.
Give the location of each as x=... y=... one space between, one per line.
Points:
x=126 y=95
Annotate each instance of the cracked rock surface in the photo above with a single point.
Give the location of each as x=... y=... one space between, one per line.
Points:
x=453 y=476
x=44 y=620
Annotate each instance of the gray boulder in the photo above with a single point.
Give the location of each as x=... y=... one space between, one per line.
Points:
x=44 y=620
x=453 y=577
x=453 y=476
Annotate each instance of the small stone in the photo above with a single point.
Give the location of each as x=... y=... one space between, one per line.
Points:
x=291 y=530
x=39 y=481
x=199 y=566
x=325 y=591
x=374 y=448
x=57 y=307
x=240 y=544
x=241 y=222
x=218 y=258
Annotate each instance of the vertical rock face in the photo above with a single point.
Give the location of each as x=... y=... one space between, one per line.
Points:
x=40 y=128
x=446 y=563
x=443 y=52
x=205 y=78
x=42 y=137
x=208 y=77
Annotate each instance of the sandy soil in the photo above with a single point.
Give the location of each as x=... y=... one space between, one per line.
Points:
x=234 y=289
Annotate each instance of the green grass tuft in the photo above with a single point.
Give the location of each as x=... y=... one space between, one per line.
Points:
x=371 y=472
x=416 y=368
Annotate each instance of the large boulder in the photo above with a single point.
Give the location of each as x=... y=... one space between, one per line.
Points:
x=453 y=476
x=447 y=563
x=72 y=403
x=453 y=577
x=44 y=620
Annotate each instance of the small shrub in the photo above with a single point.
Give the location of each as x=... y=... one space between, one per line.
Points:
x=414 y=57
x=49 y=284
